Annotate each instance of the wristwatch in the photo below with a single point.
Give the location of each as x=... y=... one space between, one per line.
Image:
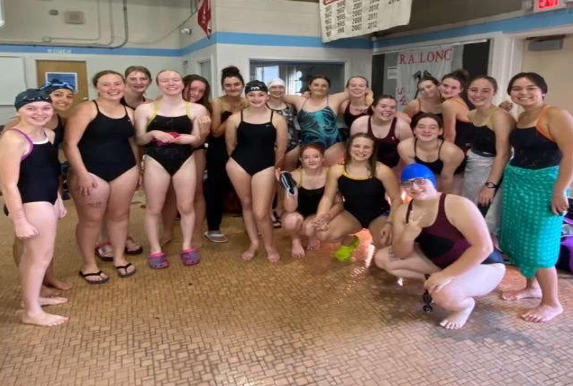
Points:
x=490 y=185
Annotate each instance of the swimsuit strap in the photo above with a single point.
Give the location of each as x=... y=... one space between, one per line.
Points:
x=241 y=115
x=391 y=132
x=370 y=132
x=408 y=211
x=97 y=107
x=440 y=148
x=30 y=142
x=415 y=145
x=540 y=129
x=304 y=103
x=301 y=175
x=272 y=112
x=188 y=110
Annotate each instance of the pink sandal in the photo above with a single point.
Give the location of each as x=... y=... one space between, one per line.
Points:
x=190 y=256
x=158 y=260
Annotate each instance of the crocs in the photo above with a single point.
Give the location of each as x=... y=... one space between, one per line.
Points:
x=190 y=256
x=344 y=252
x=157 y=260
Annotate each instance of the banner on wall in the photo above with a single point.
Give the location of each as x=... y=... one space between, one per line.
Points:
x=411 y=66
x=204 y=16
x=348 y=18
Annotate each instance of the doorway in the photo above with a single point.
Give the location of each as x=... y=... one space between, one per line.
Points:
x=73 y=72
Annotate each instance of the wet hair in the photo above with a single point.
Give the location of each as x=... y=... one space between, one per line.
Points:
x=142 y=69
x=488 y=78
x=421 y=116
x=383 y=96
x=231 y=72
x=537 y=79
x=96 y=77
x=166 y=70
x=315 y=146
x=354 y=77
x=460 y=75
x=189 y=79
x=463 y=77
x=315 y=77
x=428 y=78
x=373 y=158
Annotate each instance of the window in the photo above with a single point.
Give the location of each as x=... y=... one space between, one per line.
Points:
x=297 y=74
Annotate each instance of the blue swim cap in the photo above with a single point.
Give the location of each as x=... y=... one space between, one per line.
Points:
x=417 y=171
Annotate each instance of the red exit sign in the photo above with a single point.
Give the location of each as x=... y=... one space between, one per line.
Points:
x=548 y=5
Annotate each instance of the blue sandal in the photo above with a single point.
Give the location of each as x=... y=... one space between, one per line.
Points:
x=157 y=260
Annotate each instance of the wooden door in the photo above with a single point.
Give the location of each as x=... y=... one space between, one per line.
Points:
x=73 y=72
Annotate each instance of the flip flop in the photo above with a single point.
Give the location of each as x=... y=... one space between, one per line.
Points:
x=216 y=237
x=99 y=274
x=135 y=251
x=102 y=256
x=124 y=267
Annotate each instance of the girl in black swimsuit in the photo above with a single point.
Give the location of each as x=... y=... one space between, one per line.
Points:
x=62 y=96
x=444 y=236
x=301 y=208
x=99 y=144
x=427 y=148
x=363 y=183
x=169 y=129
x=196 y=90
x=29 y=172
x=251 y=137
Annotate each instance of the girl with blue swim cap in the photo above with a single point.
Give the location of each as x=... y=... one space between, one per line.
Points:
x=443 y=236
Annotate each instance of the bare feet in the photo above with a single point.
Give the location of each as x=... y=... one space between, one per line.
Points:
x=43 y=319
x=542 y=313
x=273 y=255
x=297 y=250
x=250 y=253
x=57 y=284
x=525 y=293
x=313 y=244
x=458 y=319
x=49 y=301
x=47 y=292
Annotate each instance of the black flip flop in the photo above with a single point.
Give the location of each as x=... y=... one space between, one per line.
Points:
x=99 y=274
x=124 y=267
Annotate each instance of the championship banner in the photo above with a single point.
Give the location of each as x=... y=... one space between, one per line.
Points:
x=347 y=18
x=413 y=65
x=204 y=16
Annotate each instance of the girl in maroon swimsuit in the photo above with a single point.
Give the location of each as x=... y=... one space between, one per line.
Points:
x=446 y=237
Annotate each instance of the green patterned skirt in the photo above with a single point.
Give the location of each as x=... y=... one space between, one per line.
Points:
x=530 y=233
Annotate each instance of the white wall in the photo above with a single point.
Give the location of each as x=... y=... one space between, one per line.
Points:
x=555 y=67
x=274 y=22
x=94 y=64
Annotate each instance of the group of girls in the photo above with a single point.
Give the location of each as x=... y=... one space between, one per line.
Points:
x=453 y=139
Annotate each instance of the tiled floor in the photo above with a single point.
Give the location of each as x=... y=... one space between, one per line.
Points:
x=299 y=322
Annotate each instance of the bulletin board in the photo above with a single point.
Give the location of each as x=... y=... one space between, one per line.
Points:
x=12 y=78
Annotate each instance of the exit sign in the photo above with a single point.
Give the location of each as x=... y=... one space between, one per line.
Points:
x=548 y=5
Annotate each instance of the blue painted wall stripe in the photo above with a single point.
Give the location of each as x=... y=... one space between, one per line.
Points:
x=128 y=51
x=524 y=23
